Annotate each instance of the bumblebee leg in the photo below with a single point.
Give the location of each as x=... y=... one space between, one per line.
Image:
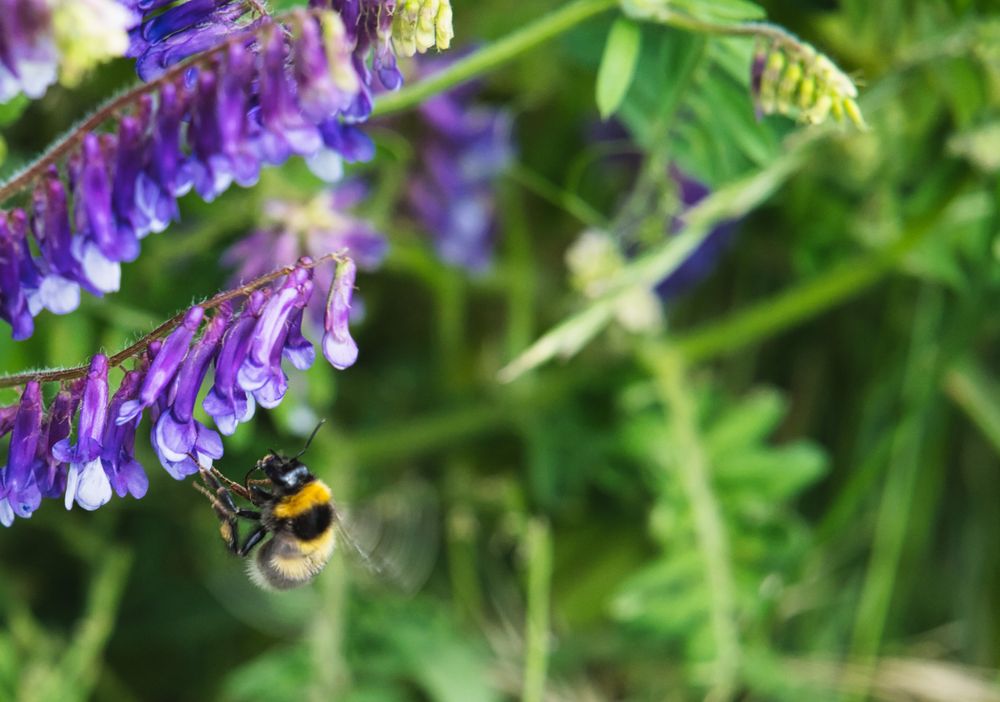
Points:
x=252 y=540
x=226 y=497
x=228 y=523
x=231 y=484
x=259 y=495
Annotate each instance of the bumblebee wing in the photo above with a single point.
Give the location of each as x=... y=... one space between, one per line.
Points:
x=284 y=562
x=395 y=536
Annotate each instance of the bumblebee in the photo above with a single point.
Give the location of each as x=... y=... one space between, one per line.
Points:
x=292 y=505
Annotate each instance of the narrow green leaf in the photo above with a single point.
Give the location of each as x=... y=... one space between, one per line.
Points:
x=621 y=55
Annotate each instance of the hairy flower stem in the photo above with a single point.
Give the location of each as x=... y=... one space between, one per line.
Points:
x=494 y=55
x=49 y=376
x=690 y=463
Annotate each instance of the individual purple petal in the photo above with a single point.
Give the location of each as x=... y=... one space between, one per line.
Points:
x=164 y=366
x=85 y=483
x=298 y=349
x=236 y=75
x=322 y=89
x=50 y=472
x=131 y=221
x=14 y=307
x=23 y=441
x=286 y=131
x=124 y=473
x=338 y=346
x=226 y=402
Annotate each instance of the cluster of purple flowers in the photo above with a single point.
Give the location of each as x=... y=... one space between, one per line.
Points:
x=269 y=92
x=168 y=36
x=28 y=54
x=463 y=152
x=292 y=230
x=245 y=345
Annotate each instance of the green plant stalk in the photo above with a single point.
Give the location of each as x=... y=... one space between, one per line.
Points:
x=688 y=459
x=538 y=550
x=892 y=522
x=969 y=387
x=494 y=55
x=569 y=202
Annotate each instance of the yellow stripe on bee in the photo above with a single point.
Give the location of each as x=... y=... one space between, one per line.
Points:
x=312 y=494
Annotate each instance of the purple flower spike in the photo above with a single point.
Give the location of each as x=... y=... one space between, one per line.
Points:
x=86 y=482
x=338 y=346
x=18 y=493
x=227 y=402
x=164 y=366
x=50 y=472
x=176 y=429
x=118 y=451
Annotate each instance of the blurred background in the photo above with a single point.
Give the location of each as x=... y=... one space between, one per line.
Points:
x=775 y=480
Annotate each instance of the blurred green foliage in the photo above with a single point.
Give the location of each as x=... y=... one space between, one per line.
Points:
x=789 y=494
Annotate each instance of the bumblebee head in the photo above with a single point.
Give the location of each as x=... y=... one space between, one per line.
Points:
x=287 y=474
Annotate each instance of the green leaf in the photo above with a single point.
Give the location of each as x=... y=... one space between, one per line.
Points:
x=621 y=56
x=746 y=423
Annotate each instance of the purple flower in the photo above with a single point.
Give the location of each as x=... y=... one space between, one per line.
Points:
x=14 y=255
x=227 y=402
x=176 y=430
x=247 y=349
x=181 y=31
x=86 y=482
x=118 y=444
x=338 y=346
x=703 y=260
x=453 y=194
x=261 y=94
x=315 y=228
x=260 y=372
x=164 y=366
x=18 y=493
x=57 y=285
x=50 y=473
x=28 y=55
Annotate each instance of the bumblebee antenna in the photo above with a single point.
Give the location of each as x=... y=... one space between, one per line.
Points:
x=310 y=439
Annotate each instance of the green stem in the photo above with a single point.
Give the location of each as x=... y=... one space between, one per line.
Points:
x=494 y=55
x=569 y=202
x=538 y=547
x=687 y=458
x=974 y=391
x=893 y=521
